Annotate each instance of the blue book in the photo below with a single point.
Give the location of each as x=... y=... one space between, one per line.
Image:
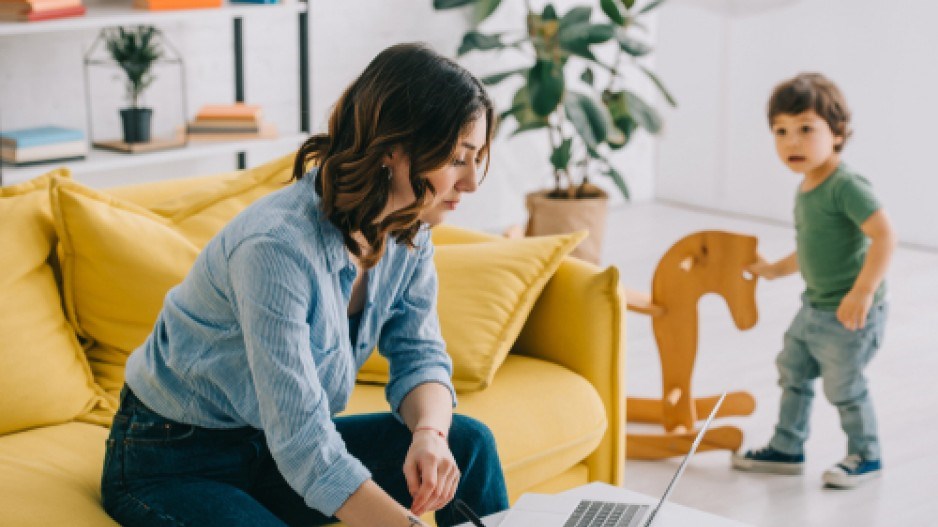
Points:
x=39 y=136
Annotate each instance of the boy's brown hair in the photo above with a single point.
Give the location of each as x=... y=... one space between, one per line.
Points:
x=813 y=91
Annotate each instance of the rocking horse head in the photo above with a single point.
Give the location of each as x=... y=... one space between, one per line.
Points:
x=709 y=262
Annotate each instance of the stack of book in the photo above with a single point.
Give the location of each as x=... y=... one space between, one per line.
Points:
x=229 y=122
x=35 y=10
x=41 y=144
x=168 y=5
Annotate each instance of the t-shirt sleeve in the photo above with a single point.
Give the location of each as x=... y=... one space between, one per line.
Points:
x=855 y=196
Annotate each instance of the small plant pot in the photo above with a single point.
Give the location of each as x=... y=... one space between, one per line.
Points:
x=547 y=215
x=136 y=122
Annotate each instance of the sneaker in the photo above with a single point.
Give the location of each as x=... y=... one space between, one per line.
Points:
x=769 y=461
x=852 y=471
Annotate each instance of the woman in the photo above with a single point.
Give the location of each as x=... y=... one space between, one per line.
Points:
x=227 y=416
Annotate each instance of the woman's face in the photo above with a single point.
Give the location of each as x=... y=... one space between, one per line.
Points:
x=458 y=176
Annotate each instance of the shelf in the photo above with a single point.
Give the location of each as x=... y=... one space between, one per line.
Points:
x=100 y=160
x=114 y=14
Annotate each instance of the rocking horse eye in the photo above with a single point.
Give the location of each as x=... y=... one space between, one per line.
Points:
x=747 y=275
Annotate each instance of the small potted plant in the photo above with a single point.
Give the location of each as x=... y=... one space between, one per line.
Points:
x=135 y=49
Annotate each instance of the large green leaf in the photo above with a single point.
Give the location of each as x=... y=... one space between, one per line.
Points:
x=576 y=39
x=473 y=40
x=611 y=8
x=496 y=78
x=549 y=13
x=450 y=4
x=484 y=8
x=590 y=120
x=626 y=104
x=633 y=47
x=651 y=5
x=523 y=113
x=577 y=15
x=664 y=91
x=545 y=86
x=618 y=180
x=560 y=157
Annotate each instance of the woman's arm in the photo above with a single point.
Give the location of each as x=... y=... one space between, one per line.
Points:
x=430 y=470
x=370 y=506
x=858 y=301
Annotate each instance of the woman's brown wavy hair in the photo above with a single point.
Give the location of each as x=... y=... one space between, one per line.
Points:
x=411 y=97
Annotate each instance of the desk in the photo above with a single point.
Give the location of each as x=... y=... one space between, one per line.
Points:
x=670 y=515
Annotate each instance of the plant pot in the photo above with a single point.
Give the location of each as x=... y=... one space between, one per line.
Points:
x=136 y=123
x=561 y=216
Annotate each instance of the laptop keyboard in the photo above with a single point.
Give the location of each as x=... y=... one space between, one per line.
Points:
x=604 y=514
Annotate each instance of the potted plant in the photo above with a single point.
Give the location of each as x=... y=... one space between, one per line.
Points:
x=135 y=50
x=580 y=100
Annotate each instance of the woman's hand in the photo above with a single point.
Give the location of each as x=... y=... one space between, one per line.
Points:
x=854 y=308
x=430 y=471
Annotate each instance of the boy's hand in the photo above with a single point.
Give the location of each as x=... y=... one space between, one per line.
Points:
x=854 y=308
x=763 y=268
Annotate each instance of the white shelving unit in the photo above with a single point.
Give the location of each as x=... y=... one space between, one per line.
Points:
x=121 y=12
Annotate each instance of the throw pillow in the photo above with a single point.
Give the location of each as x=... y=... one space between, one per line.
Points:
x=486 y=292
x=45 y=377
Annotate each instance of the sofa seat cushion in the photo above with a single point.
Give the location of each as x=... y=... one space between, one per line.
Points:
x=52 y=476
x=545 y=418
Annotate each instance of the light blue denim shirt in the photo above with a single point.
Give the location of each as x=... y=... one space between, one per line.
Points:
x=257 y=335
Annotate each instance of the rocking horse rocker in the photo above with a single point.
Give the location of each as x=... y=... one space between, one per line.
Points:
x=703 y=262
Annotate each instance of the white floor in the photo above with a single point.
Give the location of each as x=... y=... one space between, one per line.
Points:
x=902 y=381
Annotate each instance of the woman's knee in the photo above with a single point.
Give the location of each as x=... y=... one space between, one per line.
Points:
x=471 y=435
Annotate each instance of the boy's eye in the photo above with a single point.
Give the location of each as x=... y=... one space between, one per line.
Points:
x=780 y=131
x=806 y=129
x=458 y=162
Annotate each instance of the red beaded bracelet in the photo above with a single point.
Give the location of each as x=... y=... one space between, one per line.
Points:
x=430 y=428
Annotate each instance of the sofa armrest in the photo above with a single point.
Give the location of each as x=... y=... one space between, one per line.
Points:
x=578 y=322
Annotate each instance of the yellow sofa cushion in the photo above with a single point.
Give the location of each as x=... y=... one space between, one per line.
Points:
x=52 y=476
x=124 y=249
x=43 y=371
x=207 y=204
x=527 y=394
x=486 y=292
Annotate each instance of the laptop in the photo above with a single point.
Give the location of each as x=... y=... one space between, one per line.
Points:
x=598 y=513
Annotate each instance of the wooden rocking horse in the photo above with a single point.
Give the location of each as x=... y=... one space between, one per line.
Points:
x=701 y=263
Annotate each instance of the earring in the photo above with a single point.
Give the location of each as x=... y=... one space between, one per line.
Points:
x=390 y=172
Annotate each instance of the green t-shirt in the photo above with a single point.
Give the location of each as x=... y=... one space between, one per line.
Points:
x=831 y=246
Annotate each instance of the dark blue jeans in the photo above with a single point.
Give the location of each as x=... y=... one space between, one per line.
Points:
x=158 y=472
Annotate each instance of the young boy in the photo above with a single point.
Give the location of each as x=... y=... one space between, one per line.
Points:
x=844 y=244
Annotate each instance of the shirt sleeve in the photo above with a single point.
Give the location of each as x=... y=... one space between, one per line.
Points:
x=855 y=197
x=272 y=293
x=411 y=338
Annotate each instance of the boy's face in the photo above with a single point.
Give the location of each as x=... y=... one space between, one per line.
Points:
x=805 y=141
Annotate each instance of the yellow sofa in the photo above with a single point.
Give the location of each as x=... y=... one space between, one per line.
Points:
x=555 y=406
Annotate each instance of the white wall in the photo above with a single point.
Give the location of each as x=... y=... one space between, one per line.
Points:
x=718 y=153
x=41 y=82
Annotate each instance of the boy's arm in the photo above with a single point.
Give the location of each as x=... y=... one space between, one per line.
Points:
x=784 y=267
x=856 y=304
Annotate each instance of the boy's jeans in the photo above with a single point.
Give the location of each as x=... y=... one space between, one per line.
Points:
x=161 y=472
x=818 y=345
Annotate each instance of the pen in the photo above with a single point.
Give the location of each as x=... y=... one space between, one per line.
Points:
x=467 y=512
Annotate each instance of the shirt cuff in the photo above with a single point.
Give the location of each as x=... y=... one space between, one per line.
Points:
x=331 y=490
